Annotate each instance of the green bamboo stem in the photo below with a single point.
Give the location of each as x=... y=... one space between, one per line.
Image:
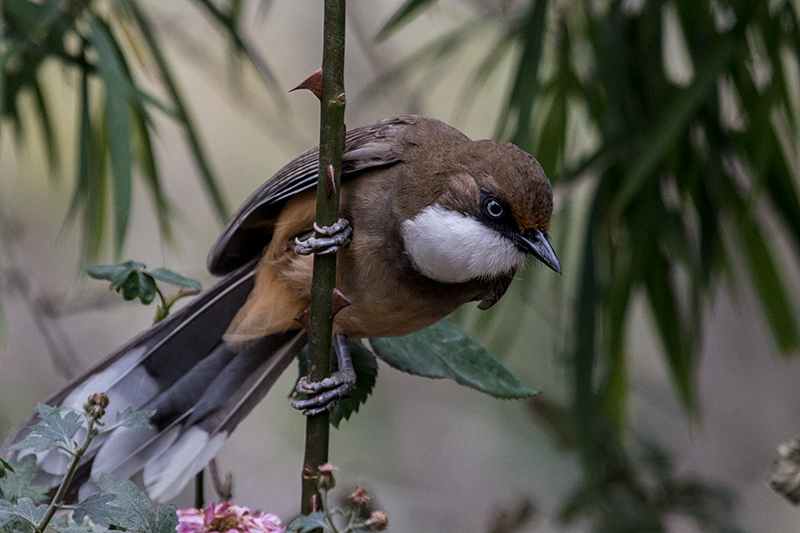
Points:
x=320 y=321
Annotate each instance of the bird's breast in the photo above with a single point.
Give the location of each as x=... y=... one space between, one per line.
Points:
x=451 y=247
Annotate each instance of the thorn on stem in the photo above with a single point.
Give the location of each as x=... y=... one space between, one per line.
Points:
x=313 y=83
x=330 y=182
x=303 y=319
x=338 y=301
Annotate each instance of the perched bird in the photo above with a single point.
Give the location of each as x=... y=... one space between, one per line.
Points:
x=430 y=221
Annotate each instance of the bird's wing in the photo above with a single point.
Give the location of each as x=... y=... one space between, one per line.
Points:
x=249 y=231
x=181 y=368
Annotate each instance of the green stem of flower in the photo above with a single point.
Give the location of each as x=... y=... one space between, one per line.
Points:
x=58 y=499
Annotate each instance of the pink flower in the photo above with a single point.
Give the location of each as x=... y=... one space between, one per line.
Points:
x=227 y=518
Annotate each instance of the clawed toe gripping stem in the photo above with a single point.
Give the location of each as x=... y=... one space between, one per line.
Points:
x=325 y=394
x=335 y=236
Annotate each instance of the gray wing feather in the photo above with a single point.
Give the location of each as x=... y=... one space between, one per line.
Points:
x=245 y=235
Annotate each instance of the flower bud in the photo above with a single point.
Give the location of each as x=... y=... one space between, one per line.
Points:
x=326 y=481
x=96 y=405
x=359 y=498
x=378 y=521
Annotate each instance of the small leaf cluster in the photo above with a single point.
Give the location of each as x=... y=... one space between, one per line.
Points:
x=131 y=280
x=443 y=350
x=118 y=505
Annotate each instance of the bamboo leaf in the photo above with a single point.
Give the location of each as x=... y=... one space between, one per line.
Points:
x=145 y=159
x=50 y=140
x=671 y=329
x=190 y=130
x=768 y=285
x=526 y=80
x=410 y=10
x=674 y=122
x=117 y=114
x=229 y=22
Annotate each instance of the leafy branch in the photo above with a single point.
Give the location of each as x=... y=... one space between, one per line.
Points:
x=56 y=433
x=131 y=280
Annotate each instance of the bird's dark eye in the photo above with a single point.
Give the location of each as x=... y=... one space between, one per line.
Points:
x=494 y=208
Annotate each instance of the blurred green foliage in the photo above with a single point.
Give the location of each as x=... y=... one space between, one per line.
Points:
x=107 y=45
x=678 y=122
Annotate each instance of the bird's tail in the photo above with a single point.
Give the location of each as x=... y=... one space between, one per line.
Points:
x=200 y=388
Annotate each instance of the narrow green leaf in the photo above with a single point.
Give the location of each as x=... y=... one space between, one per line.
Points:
x=532 y=33
x=444 y=350
x=145 y=159
x=175 y=279
x=671 y=329
x=117 y=114
x=48 y=132
x=404 y=14
x=768 y=285
x=430 y=53
x=229 y=23
x=84 y=148
x=675 y=121
x=198 y=152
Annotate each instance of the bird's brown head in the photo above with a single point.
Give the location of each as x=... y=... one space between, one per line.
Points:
x=491 y=209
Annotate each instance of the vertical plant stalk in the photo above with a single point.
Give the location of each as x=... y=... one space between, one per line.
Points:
x=320 y=321
x=58 y=499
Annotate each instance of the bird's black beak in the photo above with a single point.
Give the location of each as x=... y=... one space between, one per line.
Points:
x=537 y=243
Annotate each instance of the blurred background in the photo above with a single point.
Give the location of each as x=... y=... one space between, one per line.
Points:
x=666 y=353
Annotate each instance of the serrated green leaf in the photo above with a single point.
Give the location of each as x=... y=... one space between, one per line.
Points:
x=24 y=509
x=309 y=522
x=54 y=431
x=366 y=368
x=174 y=279
x=132 y=419
x=97 y=509
x=7 y=513
x=4 y=466
x=139 y=514
x=166 y=518
x=444 y=350
x=18 y=479
x=86 y=528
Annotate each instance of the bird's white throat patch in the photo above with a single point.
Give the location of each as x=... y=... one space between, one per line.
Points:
x=452 y=248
